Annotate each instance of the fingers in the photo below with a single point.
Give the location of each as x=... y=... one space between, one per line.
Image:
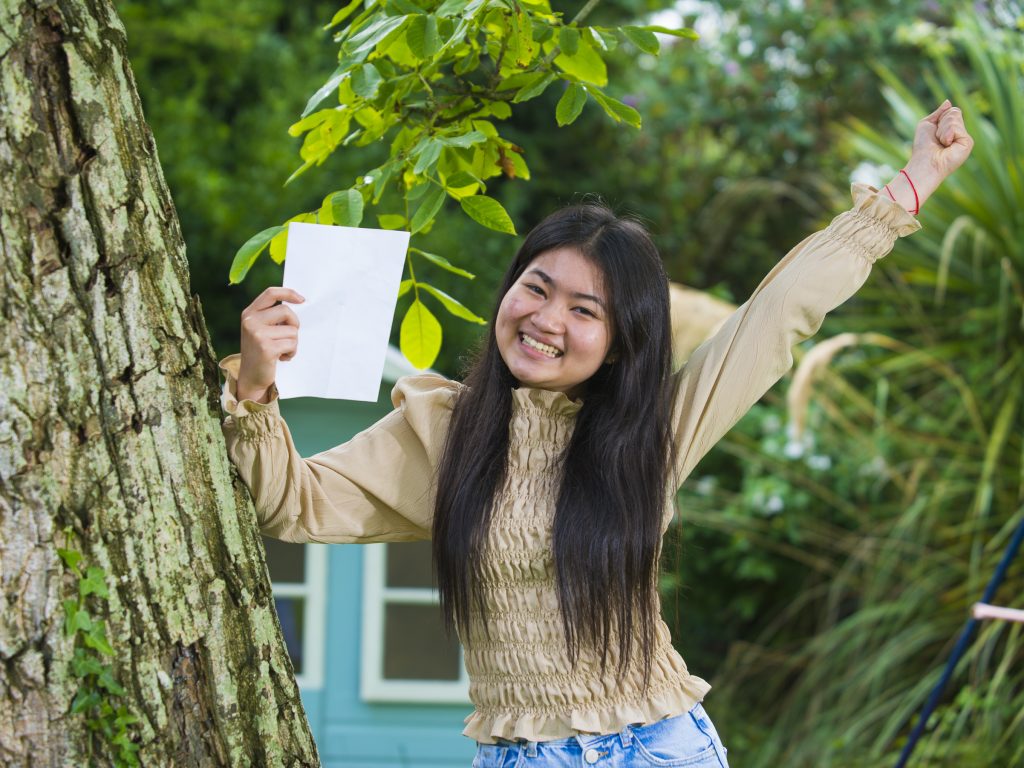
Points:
x=271 y=296
x=935 y=116
x=951 y=128
x=281 y=316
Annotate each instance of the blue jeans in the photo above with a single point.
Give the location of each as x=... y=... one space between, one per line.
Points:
x=684 y=740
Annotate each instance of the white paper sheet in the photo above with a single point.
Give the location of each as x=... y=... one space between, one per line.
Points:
x=349 y=277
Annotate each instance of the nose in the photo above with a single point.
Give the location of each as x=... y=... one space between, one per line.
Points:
x=548 y=320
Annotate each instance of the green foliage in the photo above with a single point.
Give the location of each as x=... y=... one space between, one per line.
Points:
x=867 y=538
x=433 y=79
x=97 y=693
x=220 y=81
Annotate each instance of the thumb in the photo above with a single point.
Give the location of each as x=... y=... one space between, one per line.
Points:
x=934 y=116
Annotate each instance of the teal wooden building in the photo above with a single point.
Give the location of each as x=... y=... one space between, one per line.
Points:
x=382 y=684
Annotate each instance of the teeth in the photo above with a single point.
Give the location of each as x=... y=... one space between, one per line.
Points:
x=547 y=350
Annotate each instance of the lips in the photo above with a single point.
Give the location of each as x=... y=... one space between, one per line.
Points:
x=545 y=349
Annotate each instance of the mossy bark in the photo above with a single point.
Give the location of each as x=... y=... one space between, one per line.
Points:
x=110 y=426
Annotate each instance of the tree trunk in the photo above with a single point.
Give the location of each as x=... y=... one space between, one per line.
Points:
x=110 y=429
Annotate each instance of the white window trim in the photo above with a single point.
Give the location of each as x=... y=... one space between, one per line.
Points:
x=314 y=591
x=372 y=685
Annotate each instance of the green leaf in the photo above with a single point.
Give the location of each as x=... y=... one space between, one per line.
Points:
x=403 y=287
x=366 y=81
x=428 y=156
x=615 y=109
x=451 y=8
x=70 y=557
x=347 y=208
x=571 y=104
x=84 y=664
x=463 y=141
x=500 y=109
x=344 y=13
x=569 y=40
x=299 y=171
x=603 y=38
x=522 y=47
x=682 y=32
x=422 y=37
x=84 y=701
x=643 y=39
x=279 y=244
x=391 y=221
x=96 y=638
x=467 y=63
x=106 y=680
x=488 y=212
x=432 y=201
x=373 y=34
x=247 y=254
x=324 y=90
x=462 y=184
x=443 y=263
x=534 y=88
x=403 y=6
x=452 y=305
x=586 y=64
x=420 y=336
x=76 y=619
x=94 y=583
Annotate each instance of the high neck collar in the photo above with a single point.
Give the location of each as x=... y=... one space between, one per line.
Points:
x=545 y=401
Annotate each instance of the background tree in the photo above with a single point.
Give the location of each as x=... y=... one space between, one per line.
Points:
x=138 y=625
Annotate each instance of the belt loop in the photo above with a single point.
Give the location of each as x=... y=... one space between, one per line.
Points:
x=626 y=737
x=531 y=749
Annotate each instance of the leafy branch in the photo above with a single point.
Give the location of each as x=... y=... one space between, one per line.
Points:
x=95 y=698
x=434 y=78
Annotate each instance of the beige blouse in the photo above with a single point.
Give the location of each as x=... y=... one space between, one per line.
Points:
x=379 y=487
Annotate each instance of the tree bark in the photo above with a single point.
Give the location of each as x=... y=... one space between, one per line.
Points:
x=110 y=427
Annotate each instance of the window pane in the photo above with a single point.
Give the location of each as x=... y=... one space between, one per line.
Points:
x=287 y=562
x=415 y=645
x=409 y=565
x=291 y=612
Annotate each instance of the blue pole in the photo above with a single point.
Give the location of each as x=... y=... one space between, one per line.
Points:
x=961 y=646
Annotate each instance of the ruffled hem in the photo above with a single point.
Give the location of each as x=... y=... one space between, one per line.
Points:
x=228 y=398
x=549 y=724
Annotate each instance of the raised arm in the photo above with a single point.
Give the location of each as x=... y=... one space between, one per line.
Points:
x=753 y=349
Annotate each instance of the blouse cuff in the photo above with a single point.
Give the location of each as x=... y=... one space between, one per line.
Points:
x=252 y=419
x=874 y=223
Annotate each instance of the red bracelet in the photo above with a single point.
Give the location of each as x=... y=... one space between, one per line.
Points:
x=917 y=202
x=890 y=193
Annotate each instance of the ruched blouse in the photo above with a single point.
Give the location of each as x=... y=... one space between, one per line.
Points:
x=379 y=486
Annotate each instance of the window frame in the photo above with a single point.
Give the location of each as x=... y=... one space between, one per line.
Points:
x=313 y=590
x=376 y=595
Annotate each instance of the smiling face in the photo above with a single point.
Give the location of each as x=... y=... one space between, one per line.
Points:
x=553 y=327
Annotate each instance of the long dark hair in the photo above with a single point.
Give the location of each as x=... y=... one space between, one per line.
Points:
x=613 y=489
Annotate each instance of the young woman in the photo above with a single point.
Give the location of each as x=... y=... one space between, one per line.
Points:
x=545 y=480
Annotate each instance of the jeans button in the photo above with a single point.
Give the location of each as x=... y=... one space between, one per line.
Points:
x=591 y=756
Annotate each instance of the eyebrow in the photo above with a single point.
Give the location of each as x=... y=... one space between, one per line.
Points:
x=544 y=276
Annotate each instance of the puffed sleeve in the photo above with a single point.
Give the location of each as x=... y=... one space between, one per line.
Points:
x=378 y=486
x=753 y=349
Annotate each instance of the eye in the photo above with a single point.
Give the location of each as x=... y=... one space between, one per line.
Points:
x=534 y=288
x=584 y=311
